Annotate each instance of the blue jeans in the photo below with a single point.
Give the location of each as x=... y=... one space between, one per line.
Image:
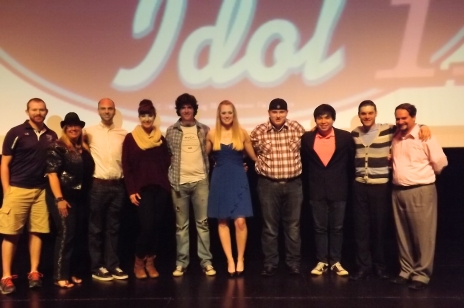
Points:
x=328 y=219
x=280 y=202
x=105 y=206
x=197 y=193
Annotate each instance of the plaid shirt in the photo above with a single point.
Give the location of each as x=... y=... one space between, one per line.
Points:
x=278 y=150
x=174 y=139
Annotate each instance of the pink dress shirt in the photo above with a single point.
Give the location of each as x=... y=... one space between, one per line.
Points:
x=416 y=162
x=325 y=147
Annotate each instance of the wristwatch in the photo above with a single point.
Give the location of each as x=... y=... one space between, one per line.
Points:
x=58 y=199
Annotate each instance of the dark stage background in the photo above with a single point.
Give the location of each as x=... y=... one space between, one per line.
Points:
x=450 y=234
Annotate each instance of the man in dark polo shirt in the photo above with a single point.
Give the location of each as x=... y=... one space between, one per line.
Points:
x=23 y=182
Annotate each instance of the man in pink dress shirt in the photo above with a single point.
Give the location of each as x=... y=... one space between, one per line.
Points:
x=414 y=197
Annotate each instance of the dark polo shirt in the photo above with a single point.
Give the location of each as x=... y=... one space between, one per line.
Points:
x=28 y=151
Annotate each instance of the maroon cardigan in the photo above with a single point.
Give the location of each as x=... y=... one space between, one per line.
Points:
x=144 y=168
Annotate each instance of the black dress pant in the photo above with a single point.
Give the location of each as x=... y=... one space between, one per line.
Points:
x=371 y=208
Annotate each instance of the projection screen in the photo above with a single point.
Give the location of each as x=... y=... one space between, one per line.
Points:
x=308 y=52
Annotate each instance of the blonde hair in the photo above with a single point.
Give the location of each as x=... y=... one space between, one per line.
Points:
x=81 y=141
x=237 y=133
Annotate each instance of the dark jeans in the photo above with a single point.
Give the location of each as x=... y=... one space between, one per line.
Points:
x=280 y=202
x=105 y=204
x=328 y=219
x=371 y=206
x=151 y=212
x=70 y=246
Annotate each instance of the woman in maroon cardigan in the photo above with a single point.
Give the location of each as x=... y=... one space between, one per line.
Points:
x=145 y=162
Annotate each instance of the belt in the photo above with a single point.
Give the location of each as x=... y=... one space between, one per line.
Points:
x=107 y=182
x=281 y=181
x=400 y=187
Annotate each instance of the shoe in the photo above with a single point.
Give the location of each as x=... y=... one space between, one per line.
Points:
x=294 y=270
x=139 y=268
x=338 y=269
x=102 y=274
x=179 y=271
x=240 y=273
x=381 y=273
x=150 y=267
x=320 y=268
x=119 y=274
x=399 y=280
x=65 y=284
x=268 y=271
x=35 y=280
x=417 y=285
x=6 y=285
x=76 y=280
x=360 y=275
x=209 y=270
x=232 y=274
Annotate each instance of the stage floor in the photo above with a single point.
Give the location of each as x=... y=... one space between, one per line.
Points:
x=195 y=289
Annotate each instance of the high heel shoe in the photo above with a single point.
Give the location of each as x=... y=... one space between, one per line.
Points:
x=232 y=274
x=240 y=273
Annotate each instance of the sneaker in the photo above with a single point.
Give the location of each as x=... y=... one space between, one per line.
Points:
x=7 y=286
x=102 y=274
x=209 y=270
x=320 y=268
x=338 y=269
x=118 y=273
x=35 y=280
x=179 y=271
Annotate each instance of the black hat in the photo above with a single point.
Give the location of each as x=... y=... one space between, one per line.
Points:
x=278 y=104
x=72 y=118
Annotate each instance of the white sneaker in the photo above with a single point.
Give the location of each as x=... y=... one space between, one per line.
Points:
x=339 y=270
x=179 y=271
x=209 y=270
x=320 y=268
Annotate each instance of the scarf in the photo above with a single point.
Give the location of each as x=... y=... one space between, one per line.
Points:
x=145 y=141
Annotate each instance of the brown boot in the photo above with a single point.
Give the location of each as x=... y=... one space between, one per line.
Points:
x=150 y=267
x=139 y=268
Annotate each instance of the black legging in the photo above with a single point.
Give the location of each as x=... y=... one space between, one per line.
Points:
x=151 y=212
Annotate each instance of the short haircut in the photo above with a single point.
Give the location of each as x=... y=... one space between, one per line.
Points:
x=106 y=99
x=367 y=103
x=186 y=99
x=411 y=109
x=324 y=109
x=35 y=99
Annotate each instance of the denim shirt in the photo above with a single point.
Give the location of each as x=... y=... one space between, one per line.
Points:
x=174 y=139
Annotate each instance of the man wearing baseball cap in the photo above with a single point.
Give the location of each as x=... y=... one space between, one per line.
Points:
x=277 y=145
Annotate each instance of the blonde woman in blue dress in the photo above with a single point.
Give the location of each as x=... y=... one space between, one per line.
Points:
x=229 y=196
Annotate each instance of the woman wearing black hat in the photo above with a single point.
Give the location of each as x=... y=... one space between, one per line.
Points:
x=69 y=168
x=145 y=163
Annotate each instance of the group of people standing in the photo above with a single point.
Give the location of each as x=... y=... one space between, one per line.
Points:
x=89 y=174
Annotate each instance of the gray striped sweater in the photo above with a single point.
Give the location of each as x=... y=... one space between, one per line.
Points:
x=371 y=161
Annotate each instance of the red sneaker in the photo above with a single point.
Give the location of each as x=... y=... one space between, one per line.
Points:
x=7 y=286
x=34 y=279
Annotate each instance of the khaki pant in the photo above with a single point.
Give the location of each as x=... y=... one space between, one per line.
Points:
x=23 y=206
x=415 y=213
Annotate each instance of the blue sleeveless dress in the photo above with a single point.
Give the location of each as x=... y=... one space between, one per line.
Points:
x=229 y=193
